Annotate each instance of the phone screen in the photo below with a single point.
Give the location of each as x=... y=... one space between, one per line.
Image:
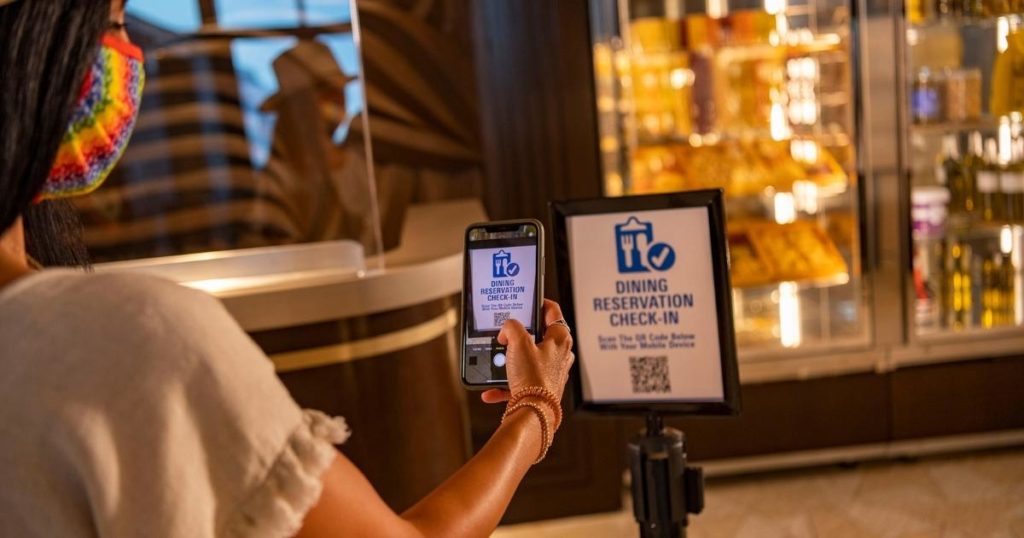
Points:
x=501 y=282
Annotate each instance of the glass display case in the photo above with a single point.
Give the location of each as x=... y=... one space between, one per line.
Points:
x=758 y=99
x=963 y=151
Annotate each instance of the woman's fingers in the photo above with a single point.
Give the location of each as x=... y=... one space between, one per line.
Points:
x=552 y=312
x=559 y=335
x=514 y=335
x=495 y=396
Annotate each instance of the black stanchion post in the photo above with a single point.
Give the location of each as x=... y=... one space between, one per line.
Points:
x=664 y=489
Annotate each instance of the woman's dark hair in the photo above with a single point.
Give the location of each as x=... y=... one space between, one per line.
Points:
x=46 y=46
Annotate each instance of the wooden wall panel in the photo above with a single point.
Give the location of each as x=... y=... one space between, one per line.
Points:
x=537 y=105
x=964 y=397
x=793 y=416
x=539 y=144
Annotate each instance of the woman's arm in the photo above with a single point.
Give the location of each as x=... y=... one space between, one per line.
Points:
x=471 y=502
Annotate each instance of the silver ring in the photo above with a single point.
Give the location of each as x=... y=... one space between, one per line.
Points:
x=562 y=322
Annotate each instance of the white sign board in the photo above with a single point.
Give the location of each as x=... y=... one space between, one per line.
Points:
x=644 y=298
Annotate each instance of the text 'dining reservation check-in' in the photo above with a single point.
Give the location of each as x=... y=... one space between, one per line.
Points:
x=644 y=298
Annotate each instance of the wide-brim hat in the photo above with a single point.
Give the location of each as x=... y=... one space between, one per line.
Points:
x=308 y=64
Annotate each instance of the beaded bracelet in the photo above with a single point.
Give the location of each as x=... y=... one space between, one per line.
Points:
x=545 y=431
x=545 y=395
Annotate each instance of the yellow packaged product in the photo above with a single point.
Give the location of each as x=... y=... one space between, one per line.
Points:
x=797 y=251
x=746 y=264
x=1008 y=70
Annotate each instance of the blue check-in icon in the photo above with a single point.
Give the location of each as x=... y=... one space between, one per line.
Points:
x=504 y=267
x=636 y=250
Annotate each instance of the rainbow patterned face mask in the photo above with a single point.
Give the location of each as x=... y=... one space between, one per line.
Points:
x=101 y=123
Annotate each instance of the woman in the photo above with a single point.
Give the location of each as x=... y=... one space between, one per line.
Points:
x=130 y=406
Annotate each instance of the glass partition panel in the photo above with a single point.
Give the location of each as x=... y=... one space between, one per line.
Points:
x=245 y=136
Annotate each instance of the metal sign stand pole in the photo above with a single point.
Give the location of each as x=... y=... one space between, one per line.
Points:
x=664 y=489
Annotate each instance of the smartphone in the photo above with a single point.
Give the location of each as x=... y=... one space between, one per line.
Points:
x=503 y=278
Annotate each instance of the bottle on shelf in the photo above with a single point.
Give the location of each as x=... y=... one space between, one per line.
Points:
x=973 y=161
x=991 y=292
x=948 y=8
x=974 y=8
x=916 y=11
x=999 y=7
x=929 y=281
x=1007 y=80
x=990 y=198
x=928 y=215
x=927 y=97
x=1007 y=278
x=950 y=173
x=1012 y=181
x=998 y=291
x=958 y=285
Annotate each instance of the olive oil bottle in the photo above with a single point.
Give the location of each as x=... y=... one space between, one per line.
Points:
x=1012 y=180
x=990 y=201
x=1007 y=277
x=991 y=293
x=973 y=161
x=958 y=286
x=951 y=173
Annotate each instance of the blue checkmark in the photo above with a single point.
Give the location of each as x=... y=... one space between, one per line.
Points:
x=661 y=256
x=512 y=269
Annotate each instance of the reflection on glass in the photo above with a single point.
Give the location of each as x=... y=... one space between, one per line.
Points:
x=789 y=315
x=244 y=138
x=179 y=17
x=344 y=49
x=234 y=14
x=253 y=60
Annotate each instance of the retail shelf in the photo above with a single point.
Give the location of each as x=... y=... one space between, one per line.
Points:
x=829 y=139
x=986 y=123
x=973 y=228
x=753 y=204
x=963 y=21
x=941 y=334
x=838 y=279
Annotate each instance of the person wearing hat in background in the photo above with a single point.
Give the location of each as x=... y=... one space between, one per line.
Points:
x=130 y=406
x=325 y=182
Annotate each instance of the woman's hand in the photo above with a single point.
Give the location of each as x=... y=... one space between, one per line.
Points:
x=531 y=365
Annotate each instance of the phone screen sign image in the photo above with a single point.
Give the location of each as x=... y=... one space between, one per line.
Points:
x=503 y=281
x=500 y=283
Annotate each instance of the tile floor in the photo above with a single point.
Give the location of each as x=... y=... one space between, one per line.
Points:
x=968 y=495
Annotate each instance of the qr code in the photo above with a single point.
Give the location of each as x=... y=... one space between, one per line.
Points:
x=649 y=374
x=501 y=317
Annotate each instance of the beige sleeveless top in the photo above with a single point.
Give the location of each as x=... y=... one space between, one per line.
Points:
x=131 y=406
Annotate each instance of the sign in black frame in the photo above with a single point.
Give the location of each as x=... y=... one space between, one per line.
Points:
x=712 y=200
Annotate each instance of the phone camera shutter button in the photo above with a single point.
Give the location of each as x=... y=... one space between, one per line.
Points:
x=499 y=360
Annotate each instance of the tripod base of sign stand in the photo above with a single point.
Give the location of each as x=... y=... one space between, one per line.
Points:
x=665 y=490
